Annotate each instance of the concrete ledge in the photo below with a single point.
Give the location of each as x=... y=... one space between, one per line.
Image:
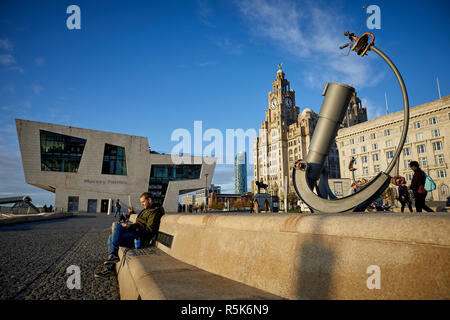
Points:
x=319 y=256
x=157 y=276
x=12 y=219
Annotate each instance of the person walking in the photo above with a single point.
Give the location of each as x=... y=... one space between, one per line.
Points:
x=117 y=211
x=418 y=187
x=403 y=196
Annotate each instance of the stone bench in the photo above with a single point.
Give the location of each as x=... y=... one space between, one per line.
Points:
x=292 y=256
x=151 y=274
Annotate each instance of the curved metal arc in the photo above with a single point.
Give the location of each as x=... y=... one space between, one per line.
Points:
x=405 y=106
x=356 y=202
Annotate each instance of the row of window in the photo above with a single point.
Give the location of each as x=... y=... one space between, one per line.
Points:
x=419 y=137
x=440 y=173
x=63 y=153
x=439 y=159
x=437 y=146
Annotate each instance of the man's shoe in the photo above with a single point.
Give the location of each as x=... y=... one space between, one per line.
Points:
x=106 y=273
x=112 y=259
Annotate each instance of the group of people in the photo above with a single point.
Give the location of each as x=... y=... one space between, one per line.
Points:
x=417 y=188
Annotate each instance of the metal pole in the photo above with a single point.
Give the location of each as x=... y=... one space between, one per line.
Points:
x=439 y=89
x=206 y=192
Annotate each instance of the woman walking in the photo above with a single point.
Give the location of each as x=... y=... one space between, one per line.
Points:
x=418 y=187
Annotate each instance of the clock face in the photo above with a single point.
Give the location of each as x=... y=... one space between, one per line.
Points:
x=273 y=103
x=288 y=102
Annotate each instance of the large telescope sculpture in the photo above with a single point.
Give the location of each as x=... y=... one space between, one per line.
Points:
x=309 y=176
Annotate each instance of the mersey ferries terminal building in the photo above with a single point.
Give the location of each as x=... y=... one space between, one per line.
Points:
x=88 y=169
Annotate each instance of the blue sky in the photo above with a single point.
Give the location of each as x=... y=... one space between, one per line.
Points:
x=147 y=68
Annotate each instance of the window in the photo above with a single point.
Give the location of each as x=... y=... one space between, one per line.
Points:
x=423 y=161
x=408 y=176
x=343 y=152
x=373 y=136
x=387 y=132
x=353 y=151
x=437 y=146
x=364 y=159
x=375 y=146
x=362 y=139
x=417 y=125
x=389 y=143
x=342 y=143
x=114 y=160
x=60 y=152
x=376 y=157
x=376 y=168
x=432 y=120
x=440 y=159
x=365 y=170
x=435 y=133
x=390 y=154
x=421 y=148
x=407 y=162
x=352 y=141
x=363 y=149
x=406 y=139
x=441 y=173
x=407 y=151
x=419 y=136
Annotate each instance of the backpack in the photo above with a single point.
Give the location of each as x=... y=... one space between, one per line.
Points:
x=430 y=185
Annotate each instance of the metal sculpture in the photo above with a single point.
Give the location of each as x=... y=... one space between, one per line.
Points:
x=310 y=178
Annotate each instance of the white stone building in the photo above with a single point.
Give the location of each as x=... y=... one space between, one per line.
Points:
x=86 y=168
x=373 y=145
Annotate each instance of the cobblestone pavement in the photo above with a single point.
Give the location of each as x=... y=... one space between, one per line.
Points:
x=34 y=258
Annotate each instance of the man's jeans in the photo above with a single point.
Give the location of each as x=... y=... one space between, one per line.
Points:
x=120 y=237
x=116 y=212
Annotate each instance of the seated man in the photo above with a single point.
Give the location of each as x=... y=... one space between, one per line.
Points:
x=145 y=228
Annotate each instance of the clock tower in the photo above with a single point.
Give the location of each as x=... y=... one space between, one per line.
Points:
x=283 y=139
x=281 y=102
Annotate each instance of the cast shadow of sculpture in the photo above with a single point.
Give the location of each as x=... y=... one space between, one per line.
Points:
x=315 y=266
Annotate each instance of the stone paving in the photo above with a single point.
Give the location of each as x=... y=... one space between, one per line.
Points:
x=34 y=258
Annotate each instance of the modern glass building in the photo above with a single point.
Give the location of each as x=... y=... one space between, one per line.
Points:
x=88 y=169
x=240 y=173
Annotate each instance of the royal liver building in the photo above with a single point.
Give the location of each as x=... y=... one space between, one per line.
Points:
x=285 y=136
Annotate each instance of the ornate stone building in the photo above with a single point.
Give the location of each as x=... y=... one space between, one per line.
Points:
x=373 y=145
x=285 y=136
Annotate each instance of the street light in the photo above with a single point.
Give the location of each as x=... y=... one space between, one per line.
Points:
x=206 y=192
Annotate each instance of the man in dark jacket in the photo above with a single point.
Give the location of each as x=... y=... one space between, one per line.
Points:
x=418 y=187
x=403 y=196
x=145 y=228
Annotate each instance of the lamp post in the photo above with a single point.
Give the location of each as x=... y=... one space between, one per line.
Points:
x=206 y=192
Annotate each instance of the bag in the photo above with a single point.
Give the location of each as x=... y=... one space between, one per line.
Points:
x=429 y=183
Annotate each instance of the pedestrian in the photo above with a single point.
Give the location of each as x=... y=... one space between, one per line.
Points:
x=418 y=187
x=353 y=188
x=403 y=196
x=124 y=234
x=117 y=210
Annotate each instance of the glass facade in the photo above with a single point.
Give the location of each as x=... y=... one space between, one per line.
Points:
x=240 y=173
x=162 y=174
x=60 y=152
x=114 y=160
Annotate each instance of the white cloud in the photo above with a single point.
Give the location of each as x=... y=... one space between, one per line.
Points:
x=5 y=44
x=7 y=59
x=312 y=35
x=37 y=88
x=373 y=111
x=229 y=46
x=39 y=61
